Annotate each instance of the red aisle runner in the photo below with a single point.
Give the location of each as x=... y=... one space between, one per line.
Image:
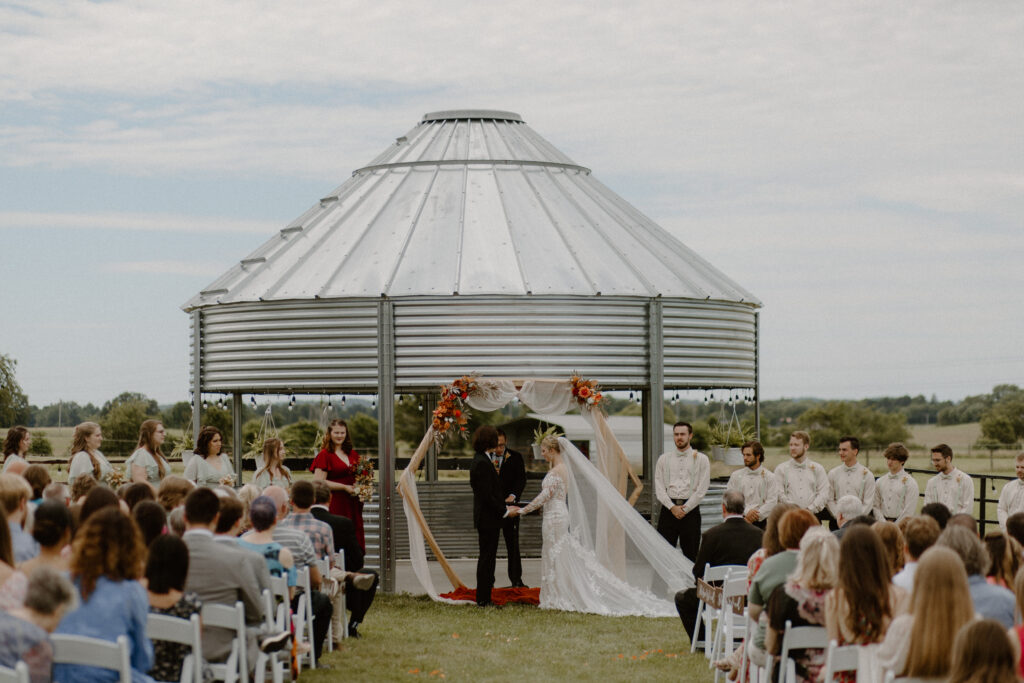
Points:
x=499 y=596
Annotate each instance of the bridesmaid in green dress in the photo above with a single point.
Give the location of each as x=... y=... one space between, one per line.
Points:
x=147 y=463
x=210 y=466
x=273 y=471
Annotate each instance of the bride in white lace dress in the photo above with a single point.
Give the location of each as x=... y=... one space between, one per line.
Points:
x=599 y=555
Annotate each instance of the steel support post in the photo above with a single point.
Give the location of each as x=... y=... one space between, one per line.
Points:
x=386 y=440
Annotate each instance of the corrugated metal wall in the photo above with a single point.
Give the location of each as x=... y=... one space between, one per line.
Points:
x=332 y=345
x=290 y=346
x=438 y=339
x=709 y=344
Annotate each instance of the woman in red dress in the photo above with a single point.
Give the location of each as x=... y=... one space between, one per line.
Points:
x=335 y=464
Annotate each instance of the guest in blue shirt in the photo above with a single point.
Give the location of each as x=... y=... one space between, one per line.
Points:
x=990 y=601
x=107 y=560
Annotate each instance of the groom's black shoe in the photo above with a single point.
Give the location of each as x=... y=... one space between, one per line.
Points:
x=519 y=584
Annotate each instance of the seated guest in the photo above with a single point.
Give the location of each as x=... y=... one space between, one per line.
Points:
x=892 y=539
x=982 y=654
x=52 y=531
x=13 y=583
x=801 y=600
x=166 y=570
x=81 y=487
x=38 y=477
x=137 y=492
x=247 y=494
x=731 y=542
x=229 y=525
x=15 y=494
x=219 y=575
x=773 y=573
x=360 y=593
x=106 y=562
x=1006 y=554
x=939 y=512
x=176 y=521
x=991 y=602
x=151 y=518
x=24 y=630
x=1015 y=527
x=920 y=533
x=322 y=536
x=965 y=520
x=263 y=516
x=302 y=550
x=58 y=492
x=847 y=509
x=99 y=497
x=172 y=491
x=860 y=608
x=1017 y=632
x=917 y=643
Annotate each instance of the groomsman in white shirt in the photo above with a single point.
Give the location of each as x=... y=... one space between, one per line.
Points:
x=950 y=486
x=1011 y=500
x=896 y=493
x=759 y=487
x=850 y=479
x=681 y=479
x=802 y=481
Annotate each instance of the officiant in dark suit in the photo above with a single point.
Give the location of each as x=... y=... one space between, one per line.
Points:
x=512 y=474
x=488 y=508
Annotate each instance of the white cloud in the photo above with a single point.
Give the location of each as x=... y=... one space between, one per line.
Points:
x=134 y=221
x=165 y=267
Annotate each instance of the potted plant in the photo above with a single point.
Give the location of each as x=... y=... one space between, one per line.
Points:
x=726 y=438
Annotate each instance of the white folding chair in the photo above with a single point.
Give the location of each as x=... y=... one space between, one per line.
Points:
x=709 y=612
x=86 y=651
x=732 y=622
x=798 y=638
x=236 y=666
x=182 y=631
x=304 y=615
x=324 y=565
x=19 y=674
x=280 y=604
x=846 y=658
x=709 y=605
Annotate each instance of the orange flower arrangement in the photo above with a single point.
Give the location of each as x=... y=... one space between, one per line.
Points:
x=451 y=414
x=587 y=392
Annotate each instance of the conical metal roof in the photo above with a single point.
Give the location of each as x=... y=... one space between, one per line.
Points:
x=471 y=202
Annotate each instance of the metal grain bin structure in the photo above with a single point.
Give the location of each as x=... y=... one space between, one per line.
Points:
x=470 y=244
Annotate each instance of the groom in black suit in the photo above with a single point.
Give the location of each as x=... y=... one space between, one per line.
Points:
x=488 y=508
x=731 y=542
x=512 y=474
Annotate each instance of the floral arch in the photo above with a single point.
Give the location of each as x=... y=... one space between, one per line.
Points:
x=540 y=395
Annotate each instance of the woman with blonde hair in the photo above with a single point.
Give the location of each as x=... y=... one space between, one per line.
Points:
x=983 y=654
x=917 y=643
x=172 y=492
x=801 y=600
x=16 y=444
x=336 y=464
x=213 y=466
x=273 y=472
x=147 y=463
x=86 y=457
x=892 y=539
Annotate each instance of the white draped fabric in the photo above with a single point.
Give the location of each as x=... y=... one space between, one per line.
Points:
x=600 y=516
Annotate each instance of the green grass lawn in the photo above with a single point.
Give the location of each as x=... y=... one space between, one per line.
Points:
x=410 y=638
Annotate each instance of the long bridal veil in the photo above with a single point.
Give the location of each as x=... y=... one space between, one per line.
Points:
x=604 y=523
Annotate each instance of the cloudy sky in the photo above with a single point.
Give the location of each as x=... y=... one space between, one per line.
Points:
x=858 y=166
